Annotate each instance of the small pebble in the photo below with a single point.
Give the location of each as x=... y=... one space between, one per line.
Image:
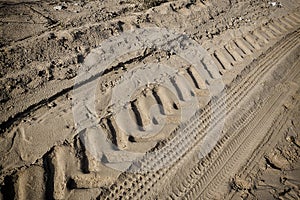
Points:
x=57 y=7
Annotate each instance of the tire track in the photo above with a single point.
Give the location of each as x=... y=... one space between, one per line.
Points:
x=280 y=125
x=235 y=128
x=182 y=146
x=161 y=158
x=162 y=172
x=223 y=57
x=152 y=178
x=227 y=169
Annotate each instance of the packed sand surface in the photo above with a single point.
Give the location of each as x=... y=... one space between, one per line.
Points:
x=151 y=99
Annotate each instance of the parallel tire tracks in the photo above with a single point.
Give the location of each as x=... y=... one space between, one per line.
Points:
x=235 y=95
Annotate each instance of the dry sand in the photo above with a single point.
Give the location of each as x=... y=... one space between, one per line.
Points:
x=150 y=99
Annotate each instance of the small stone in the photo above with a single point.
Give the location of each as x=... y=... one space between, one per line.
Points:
x=57 y=7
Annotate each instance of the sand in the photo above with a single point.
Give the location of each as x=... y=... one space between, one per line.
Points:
x=149 y=99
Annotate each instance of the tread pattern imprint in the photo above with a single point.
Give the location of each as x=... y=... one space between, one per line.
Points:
x=260 y=67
